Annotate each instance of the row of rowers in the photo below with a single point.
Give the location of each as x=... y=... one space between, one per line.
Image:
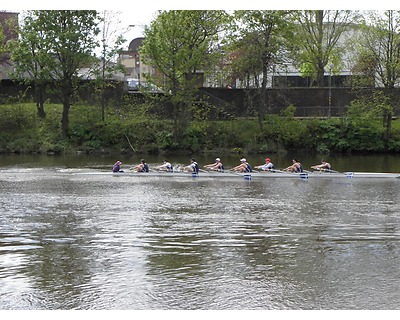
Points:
x=243 y=167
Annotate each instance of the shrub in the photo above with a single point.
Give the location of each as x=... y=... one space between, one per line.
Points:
x=23 y=131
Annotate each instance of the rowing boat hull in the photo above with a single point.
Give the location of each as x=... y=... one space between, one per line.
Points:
x=379 y=175
x=253 y=175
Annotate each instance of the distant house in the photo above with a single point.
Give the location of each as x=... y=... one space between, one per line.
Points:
x=135 y=69
x=8 y=24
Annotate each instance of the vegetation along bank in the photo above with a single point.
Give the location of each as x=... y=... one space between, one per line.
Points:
x=134 y=129
x=250 y=50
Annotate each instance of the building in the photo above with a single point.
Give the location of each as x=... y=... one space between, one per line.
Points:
x=135 y=69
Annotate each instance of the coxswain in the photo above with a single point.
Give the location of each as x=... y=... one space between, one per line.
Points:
x=117 y=167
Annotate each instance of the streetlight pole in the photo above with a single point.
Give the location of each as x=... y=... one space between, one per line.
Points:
x=103 y=70
x=330 y=91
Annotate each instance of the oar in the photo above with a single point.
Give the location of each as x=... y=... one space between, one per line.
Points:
x=278 y=171
x=245 y=175
x=270 y=170
x=202 y=170
x=324 y=170
x=287 y=171
x=347 y=174
x=214 y=171
x=331 y=171
x=234 y=171
x=159 y=170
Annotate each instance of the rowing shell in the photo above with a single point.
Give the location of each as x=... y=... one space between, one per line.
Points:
x=253 y=175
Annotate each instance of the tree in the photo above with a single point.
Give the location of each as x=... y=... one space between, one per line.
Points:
x=258 y=45
x=316 y=43
x=29 y=56
x=8 y=31
x=2 y=43
x=378 y=58
x=3 y=56
x=59 y=43
x=111 y=42
x=180 y=44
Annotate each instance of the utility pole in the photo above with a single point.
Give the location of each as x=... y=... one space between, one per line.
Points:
x=103 y=67
x=330 y=91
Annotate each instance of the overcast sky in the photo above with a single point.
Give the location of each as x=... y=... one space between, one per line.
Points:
x=142 y=12
x=153 y=5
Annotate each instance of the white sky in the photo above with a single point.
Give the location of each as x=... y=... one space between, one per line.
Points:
x=142 y=12
x=142 y=6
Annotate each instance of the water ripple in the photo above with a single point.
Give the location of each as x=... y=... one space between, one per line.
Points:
x=90 y=242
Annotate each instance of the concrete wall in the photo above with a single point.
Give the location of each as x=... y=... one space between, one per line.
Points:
x=309 y=102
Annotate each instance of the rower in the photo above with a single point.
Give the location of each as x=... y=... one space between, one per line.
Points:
x=193 y=166
x=323 y=166
x=166 y=166
x=268 y=166
x=217 y=165
x=295 y=167
x=141 y=167
x=244 y=166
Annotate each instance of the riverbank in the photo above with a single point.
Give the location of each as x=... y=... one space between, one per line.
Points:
x=128 y=131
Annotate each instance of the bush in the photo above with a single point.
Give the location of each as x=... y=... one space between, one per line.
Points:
x=23 y=131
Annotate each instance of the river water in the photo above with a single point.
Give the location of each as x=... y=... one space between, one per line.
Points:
x=71 y=240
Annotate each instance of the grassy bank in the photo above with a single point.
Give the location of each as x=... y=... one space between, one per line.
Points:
x=127 y=130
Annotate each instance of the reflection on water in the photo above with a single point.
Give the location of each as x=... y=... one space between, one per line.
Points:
x=76 y=241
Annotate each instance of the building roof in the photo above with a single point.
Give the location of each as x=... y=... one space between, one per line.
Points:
x=135 y=44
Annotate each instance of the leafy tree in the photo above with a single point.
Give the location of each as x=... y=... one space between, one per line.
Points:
x=8 y=31
x=180 y=45
x=111 y=42
x=29 y=55
x=258 y=46
x=378 y=60
x=380 y=41
x=2 y=47
x=2 y=43
x=316 y=43
x=58 y=44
